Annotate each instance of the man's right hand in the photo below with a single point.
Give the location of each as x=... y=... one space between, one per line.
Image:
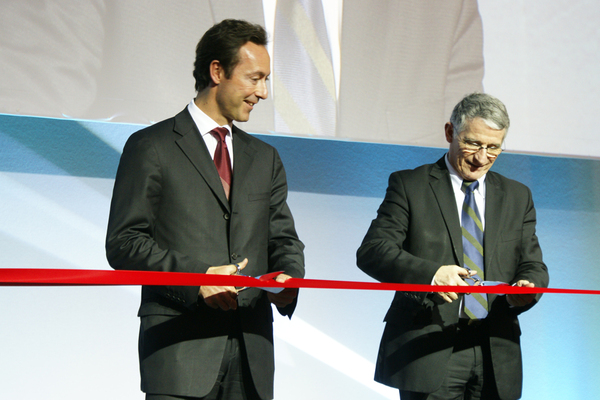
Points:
x=450 y=275
x=223 y=297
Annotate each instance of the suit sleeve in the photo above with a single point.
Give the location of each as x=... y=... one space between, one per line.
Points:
x=130 y=242
x=382 y=254
x=530 y=265
x=285 y=249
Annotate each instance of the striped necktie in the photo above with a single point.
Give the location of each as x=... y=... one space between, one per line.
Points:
x=221 y=158
x=475 y=305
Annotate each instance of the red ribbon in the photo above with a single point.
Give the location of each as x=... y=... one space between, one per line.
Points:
x=85 y=277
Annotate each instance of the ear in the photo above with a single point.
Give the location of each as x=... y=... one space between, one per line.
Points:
x=216 y=72
x=449 y=129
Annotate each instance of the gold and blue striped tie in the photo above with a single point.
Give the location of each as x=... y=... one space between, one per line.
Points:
x=475 y=304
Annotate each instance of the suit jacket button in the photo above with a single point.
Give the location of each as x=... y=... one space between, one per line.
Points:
x=226 y=216
x=234 y=256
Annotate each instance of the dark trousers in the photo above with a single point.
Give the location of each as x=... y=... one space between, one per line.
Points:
x=469 y=373
x=234 y=381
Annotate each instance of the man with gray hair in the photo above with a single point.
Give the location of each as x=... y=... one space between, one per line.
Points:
x=456 y=223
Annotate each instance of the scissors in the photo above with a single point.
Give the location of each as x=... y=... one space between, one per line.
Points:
x=263 y=278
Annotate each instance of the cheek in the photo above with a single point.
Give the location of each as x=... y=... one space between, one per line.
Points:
x=462 y=161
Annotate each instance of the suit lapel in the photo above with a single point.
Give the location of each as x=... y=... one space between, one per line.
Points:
x=494 y=200
x=194 y=148
x=439 y=180
x=243 y=156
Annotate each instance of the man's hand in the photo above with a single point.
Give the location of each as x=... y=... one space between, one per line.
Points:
x=449 y=275
x=286 y=296
x=518 y=299
x=223 y=297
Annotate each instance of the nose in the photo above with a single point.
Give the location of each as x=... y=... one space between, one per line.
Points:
x=262 y=91
x=481 y=156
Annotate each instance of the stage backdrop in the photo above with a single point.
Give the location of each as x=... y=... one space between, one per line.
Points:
x=63 y=68
x=56 y=184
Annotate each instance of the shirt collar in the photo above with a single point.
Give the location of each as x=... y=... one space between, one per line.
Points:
x=204 y=123
x=457 y=180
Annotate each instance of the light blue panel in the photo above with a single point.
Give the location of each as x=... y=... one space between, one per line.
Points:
x=61 y=146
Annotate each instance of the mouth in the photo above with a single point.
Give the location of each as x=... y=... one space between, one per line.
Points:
x=475 y=167
x=251 y=104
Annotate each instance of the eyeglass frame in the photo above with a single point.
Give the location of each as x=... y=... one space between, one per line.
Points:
x=479 y=148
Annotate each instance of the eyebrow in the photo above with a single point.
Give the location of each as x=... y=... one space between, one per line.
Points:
x=479 y=142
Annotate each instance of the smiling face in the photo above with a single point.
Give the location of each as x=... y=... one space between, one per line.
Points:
x=237 y=95
x=472 y=165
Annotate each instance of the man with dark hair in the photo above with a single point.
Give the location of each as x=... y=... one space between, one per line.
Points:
x=222 y=42
x=456 y=223
x=196 y=194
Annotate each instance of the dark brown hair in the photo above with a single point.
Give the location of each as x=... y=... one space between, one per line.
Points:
x=222 y=42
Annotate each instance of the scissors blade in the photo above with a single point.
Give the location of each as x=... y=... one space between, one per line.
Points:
x=268 y=277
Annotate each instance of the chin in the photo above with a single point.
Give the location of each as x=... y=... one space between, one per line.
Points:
x=243 y=117
x=474 y=177
x=470 y=176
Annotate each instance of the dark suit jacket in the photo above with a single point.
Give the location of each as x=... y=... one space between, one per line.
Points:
x=416 y=231
x=169 y=213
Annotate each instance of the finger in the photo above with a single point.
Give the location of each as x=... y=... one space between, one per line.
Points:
x=237 y=267
x=211 y=303
x=281 y=278
x=524 y=283
x=215 y=301
x=445 y=297
x=228 y=300
x=243 y=263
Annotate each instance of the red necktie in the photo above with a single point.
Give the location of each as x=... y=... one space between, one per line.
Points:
x=221 y=158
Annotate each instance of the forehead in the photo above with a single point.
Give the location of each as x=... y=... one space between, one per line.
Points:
x=254 y=58
x=478 y=130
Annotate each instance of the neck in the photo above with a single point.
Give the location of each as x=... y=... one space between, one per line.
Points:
x=207 y=102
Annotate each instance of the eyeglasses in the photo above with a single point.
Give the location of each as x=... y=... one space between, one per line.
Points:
x=469 y=146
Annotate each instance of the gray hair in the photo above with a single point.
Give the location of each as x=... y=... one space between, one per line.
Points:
x=480 y=105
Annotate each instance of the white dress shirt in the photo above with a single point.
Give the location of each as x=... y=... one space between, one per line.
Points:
x=206 y=124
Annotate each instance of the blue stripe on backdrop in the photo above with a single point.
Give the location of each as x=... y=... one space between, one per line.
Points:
x=58 y=146
x=362 y=169
x=92 y=149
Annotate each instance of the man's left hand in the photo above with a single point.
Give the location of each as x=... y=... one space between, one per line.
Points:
x=521 y=299
x=286 y=296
